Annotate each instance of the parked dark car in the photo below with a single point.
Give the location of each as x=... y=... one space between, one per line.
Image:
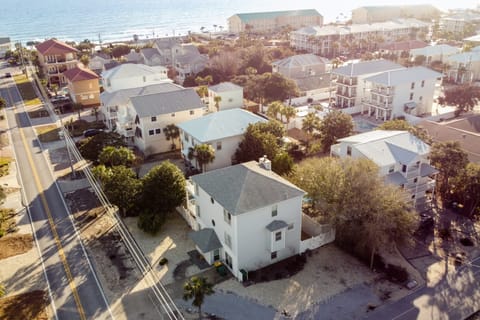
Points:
x=91 y=132
x=8 y=75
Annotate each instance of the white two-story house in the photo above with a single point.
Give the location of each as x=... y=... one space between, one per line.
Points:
x=131 y=75
x=231 y=96
x=349 y=85
x=246 y=216
x=150 y=114
x=402 y=159
x=111 y=103
x=401 y=92
x=223 y=130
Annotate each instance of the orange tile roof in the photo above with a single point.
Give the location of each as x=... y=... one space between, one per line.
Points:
x=54 y=46
x=80 y=74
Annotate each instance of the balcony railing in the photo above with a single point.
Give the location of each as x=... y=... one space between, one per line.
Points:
x=376 y=104
x=347 y=81
x=383 y=92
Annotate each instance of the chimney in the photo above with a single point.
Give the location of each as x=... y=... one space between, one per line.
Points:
x=265 y=163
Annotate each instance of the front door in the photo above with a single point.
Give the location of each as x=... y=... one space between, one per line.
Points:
x=216 y=255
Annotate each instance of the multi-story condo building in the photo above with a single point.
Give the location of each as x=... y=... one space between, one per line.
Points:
x=229 y=95
x=5 y=45
x=400 y=93
x=464 y=67
x=402 y=159
x=271 y=21
x=333 y=40
x=56 y=57
x=350 y=85
x=458 y=22
x=372 y=14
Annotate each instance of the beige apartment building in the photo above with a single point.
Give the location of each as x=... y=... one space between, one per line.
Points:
x=371 y=14
x=270 y=21
x=55 y=58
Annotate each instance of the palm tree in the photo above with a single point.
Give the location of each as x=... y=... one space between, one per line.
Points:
x=204 y=154
x=77 y=107
x=171 y=132
x=197 y=288
x=289 y=112
x=215 y=27
x=310 y=123
x=217 y=100
x=3 y=103
x=274 y=109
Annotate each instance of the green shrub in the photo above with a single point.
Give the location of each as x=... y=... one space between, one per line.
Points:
x=150 y=222
x=163 y=261
x=396 y=273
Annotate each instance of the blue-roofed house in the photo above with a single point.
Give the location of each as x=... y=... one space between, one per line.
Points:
x=223 y=130
x=273 y=20
x=401 y=157
x=231 y=96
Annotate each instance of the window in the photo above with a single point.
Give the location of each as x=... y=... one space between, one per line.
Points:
x=290 y=226
x=213 y=222
x=228 y=260
x=423 y=83
x=192 y=112
x=391 y=169
x=227 y=216
x=151 y=132
x=420 y=98
x=411 y=96
x=273 y=255
x=349 y=150
x=413 y=196
x=173 y=114
x=404 y=168
x=185 y=136
x=274 y=211
x=219 y=145
x=415 y=180
x=211 y=200
x=196 y=189
x=158 y=131
x=198 y=210
x=154 y=119
x=278 y=236
x=144 y=79
x=228 y=240
x=412 y=86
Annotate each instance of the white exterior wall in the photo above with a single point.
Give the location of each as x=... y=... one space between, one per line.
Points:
x=251 y=242
x=157 y=143
x=230 y=100
x=223 y=157
x=402 y=95
x=255 y=243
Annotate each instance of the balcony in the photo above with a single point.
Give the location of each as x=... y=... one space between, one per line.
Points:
x=386 y=92
x=376 y=104
x=345 y=93
x=347 y=81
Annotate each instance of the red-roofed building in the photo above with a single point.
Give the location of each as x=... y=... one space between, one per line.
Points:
x=56 y=57
x=83 y=86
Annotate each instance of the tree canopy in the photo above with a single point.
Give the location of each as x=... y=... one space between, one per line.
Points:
x=450 y=159
x=335 y=125
x=267 y=87
x=120 y=185
x=203 y=154
x=398 y=124
x=464 y=97
x=349 y=193
x=112 y=156
x=91 y=147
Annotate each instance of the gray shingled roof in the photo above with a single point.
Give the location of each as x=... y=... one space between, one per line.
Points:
x=166 y=102
x=246 y=187
x=367 y=67
x=276 y=225
x=427 y=170
x=225 y=86
x=205 y=239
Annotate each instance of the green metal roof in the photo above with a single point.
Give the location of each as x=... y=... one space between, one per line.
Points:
x=246 y=17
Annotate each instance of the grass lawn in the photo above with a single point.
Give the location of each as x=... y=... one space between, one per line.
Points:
x=47 y=133
x=25 y=87
x=4 y=165
x=29 y=305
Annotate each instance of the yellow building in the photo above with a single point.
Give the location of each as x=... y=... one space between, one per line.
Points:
x=83 y=86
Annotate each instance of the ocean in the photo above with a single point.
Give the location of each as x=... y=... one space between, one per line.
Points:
x=119 y=20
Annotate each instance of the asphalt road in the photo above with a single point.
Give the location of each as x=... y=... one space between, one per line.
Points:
x=73 y=287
